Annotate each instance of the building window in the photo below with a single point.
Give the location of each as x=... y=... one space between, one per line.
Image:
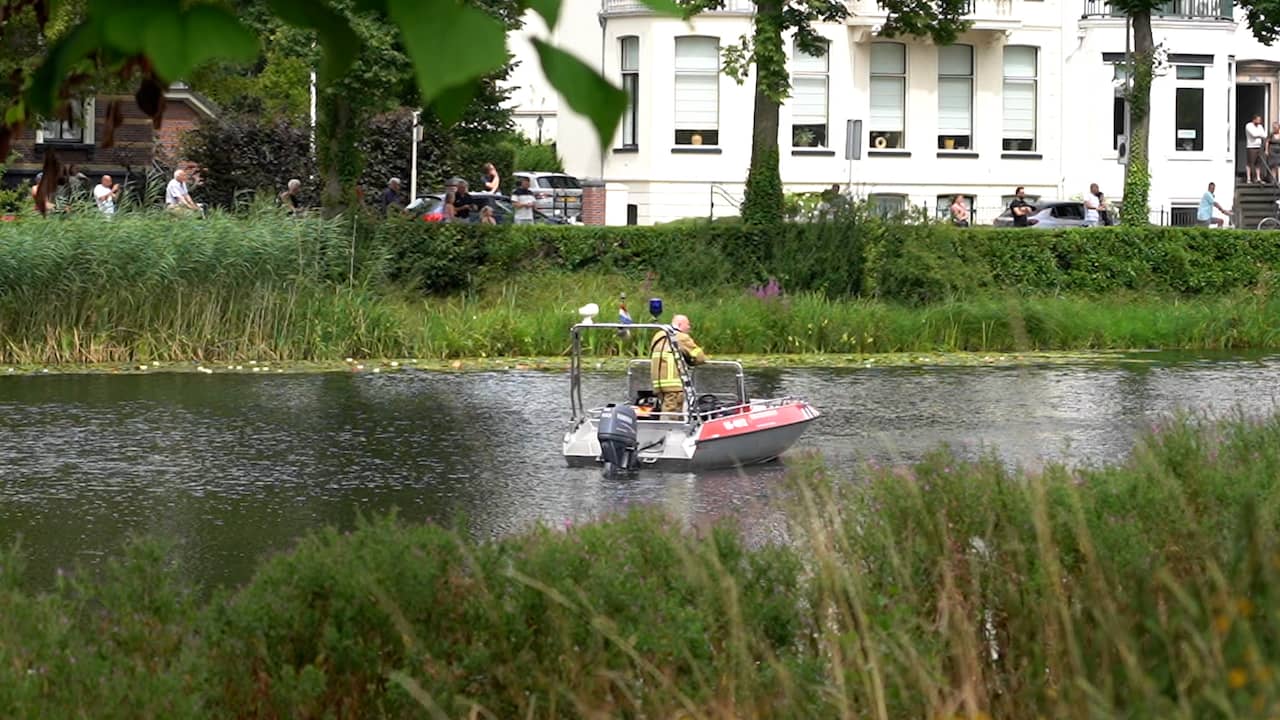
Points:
x=887 y=205
x=809 y=98
x=1119 y=106
x=76 y=127
x=631 y=86
x=888 y=95
x=1020 y=98
x=1188 y=108
x=955 y=97
x=697 y=91
x=1189 y=113
x=1183 y=215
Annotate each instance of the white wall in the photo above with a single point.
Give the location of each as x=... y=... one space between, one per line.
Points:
x=1074 y=113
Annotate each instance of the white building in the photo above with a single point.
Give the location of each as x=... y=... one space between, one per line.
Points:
x=1026 y=97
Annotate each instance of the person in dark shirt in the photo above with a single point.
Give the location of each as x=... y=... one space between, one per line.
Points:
x=465 y=205
x=1020 y=209
x=391 y=197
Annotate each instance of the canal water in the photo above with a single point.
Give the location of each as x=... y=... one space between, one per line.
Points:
x=233 y=467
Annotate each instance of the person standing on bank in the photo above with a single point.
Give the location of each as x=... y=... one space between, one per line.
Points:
x=523 y=201
x=105 y=194
x=1271 y=152
x=664 y=368
x=1254 y=134
x=1093 y=206
x=959 y=212
x=492 y=182
x=1019 y=208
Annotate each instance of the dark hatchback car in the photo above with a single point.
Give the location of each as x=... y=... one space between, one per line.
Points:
x=430 y=207
x=1048 y=214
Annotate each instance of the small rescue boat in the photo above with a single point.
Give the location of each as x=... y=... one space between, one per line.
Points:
x=713 y=430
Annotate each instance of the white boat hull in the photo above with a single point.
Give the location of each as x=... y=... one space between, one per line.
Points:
x=757 y=435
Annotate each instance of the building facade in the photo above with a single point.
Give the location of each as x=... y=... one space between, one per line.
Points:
x=1028 y=96
x=136 y=143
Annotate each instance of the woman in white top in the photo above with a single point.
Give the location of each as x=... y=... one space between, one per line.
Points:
x=1254 y=134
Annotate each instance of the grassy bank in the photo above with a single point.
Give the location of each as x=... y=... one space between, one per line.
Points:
x=143 y=288
x=1146 y=589
x=303 y=321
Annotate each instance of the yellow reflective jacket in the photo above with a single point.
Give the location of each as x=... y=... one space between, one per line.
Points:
x=663 y=368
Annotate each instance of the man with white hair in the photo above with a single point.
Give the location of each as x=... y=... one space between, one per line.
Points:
x=664 y=367
x=391 y=196
x=289 y=198
x=176 y=197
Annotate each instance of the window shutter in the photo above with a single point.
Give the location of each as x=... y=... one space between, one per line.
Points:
x=804 y=62
x=697 y=102
x=887 y=100
x=1019 y=62
x=888 y=59
x=1020 y=109
x=698 y=53
x=955 y=97
x=809 y=100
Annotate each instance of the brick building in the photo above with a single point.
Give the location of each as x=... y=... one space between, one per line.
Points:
x=137 y=142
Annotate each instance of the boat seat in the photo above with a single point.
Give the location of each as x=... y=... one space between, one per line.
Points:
x=647 y=405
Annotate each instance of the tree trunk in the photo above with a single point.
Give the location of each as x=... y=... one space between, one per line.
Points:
x=338 y=157
x=762 y=204
x=1137 y=177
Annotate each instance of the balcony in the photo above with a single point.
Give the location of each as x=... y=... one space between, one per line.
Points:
x=610 y=8
x=991 y=15
x=1213 y=10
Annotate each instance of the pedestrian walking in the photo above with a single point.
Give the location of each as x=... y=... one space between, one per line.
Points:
x=1019 y=208
x=105 y=193
x=959 y=212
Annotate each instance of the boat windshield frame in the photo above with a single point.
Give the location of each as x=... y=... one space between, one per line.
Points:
x=578 y=409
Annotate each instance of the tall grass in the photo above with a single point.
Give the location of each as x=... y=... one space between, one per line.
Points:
x=1145 y=589
x=142 y=287
x=530 y=317
x=138 y=287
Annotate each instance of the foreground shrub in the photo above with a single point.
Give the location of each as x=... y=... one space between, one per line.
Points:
x=951 y=588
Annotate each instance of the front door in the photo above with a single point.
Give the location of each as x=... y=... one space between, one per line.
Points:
x=1251 y=99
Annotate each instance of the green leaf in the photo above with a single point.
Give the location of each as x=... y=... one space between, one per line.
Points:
x=164 y=40
x=583 y=89
x=47 y=79
x=340 y=42
x=16 y=113
x=548 y=9
x=215 y=33
x=122 y=24
x=451 y=104
x=450 y=43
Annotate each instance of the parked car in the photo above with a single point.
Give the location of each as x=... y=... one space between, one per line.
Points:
x=1048 y=214
x=431 y=207
x=556 y=193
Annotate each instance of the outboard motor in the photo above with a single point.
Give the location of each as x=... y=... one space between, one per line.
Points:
x=618 y=440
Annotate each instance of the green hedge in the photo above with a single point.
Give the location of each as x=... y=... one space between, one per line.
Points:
x=854 y=256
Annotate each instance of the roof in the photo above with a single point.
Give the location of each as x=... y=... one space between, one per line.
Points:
x=199 y=103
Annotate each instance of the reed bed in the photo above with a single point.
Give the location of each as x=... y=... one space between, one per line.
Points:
x=948 y=589
x=143 y=288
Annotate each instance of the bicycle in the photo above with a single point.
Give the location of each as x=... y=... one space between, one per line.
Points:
x=1272 y=222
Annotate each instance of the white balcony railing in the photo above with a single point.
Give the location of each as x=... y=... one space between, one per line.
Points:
x=976 y=10
x=636 y=7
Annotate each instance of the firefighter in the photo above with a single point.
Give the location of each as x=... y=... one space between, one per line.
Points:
x=664 y=368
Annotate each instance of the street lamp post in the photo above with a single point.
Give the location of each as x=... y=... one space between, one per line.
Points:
x=539 y=129
x=413 y=155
